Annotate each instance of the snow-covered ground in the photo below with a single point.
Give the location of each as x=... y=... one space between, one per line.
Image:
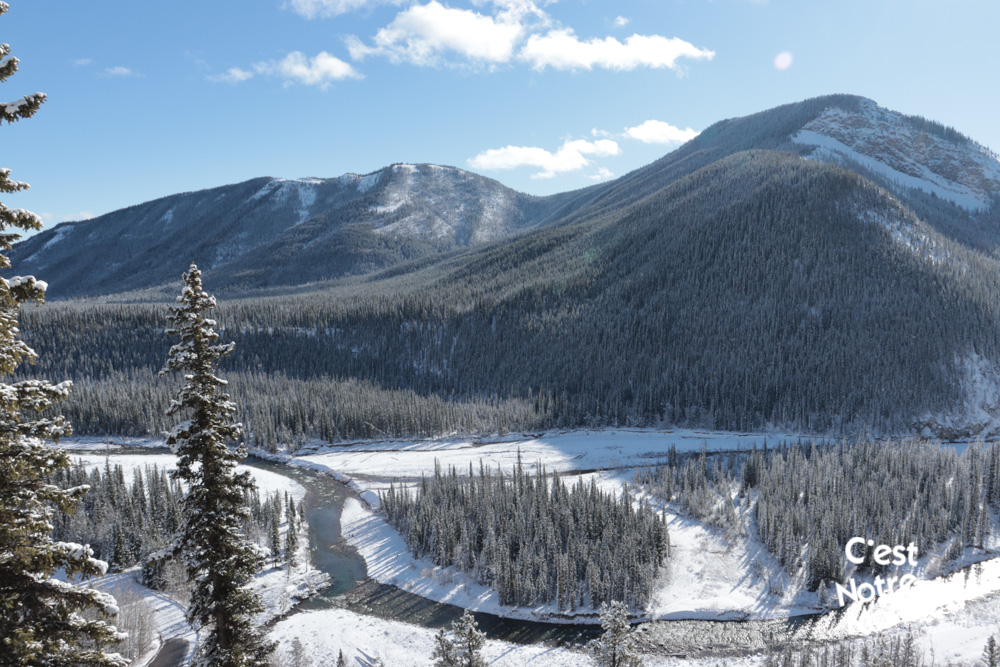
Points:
x=279 y=587
x=267 y=482
x=365 y=639
x=558 y=452
x=169 y=621
x=707 y=576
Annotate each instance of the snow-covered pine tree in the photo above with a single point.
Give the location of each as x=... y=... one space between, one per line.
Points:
x=616 y=646
x=464 y=647
x=41 y=618
x=220 y=560
x=991 y=653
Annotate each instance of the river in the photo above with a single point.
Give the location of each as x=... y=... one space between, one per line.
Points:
x=353 y=590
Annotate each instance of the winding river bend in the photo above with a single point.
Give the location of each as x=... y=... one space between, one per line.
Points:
x=351 y=589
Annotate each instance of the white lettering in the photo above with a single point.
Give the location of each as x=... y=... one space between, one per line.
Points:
x=849 y=550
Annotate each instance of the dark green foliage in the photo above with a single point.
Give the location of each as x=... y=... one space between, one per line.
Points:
x=126 y=522
x=43 y=620
x=878 y=652
x=702 y=487
x=894 y=493
x=616 y=646
x=991 y=653
x=748 y=292
x=531 y=539
x=822 y=496
x=219 y=557
x=463 y=648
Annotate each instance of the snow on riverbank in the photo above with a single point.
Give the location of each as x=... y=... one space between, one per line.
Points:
x=558 y=452
x=388 y=561
x=364 y=639
x=169 y=621
x=267 y=482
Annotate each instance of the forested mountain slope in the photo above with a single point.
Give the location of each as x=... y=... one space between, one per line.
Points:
x=731 y=284
x=762 y=289
x=271 y=231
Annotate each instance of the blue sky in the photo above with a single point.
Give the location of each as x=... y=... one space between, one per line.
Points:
x=147 y=99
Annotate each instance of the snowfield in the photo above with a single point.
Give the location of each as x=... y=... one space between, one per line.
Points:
x=267 y=482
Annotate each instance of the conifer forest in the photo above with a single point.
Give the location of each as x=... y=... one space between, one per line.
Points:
x=709 y=377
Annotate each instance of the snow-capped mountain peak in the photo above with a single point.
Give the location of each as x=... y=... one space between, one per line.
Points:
x=907 y=152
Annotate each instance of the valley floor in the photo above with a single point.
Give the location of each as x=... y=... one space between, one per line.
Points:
x=708 y=577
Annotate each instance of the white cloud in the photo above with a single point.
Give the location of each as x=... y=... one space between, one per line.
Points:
x=233 y=75
x=562 y=49
x=312 y=9
x=82 y=62
x=422 y=33
x=429 y=34
x=76 y=217
x=783 y=60
x=119 y=71
x=571 y=156
x=602 y=174
x=320 y=70
x=660 y=132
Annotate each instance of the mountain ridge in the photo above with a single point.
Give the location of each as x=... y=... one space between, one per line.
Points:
x=732 y=284
x=268 y=231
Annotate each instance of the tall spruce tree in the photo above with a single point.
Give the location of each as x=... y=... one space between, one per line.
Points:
x=464 y=647
x=220 y=560
x=42 y=618
x=616 y=646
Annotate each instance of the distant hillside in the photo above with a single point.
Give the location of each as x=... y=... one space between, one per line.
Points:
x=270 y=231
x=746 y=280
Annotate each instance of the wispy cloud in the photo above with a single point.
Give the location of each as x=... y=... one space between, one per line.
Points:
x=82 y=62
x=233 y=75
x=660 y=132
x=312 y=9
x=119 y=71
x=621 y=21
x=783 y=60
x=602 y=174
x=319 y=70
x=562 y=49
x=573 y=155
x=296 y=67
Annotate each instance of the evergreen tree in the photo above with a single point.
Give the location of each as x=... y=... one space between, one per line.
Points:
x=616 y=647
x=463 y=648
x=341 y=660
x=41 y=618
x=991 y=653
x=220 y=559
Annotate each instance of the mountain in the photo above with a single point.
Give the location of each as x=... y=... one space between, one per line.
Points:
x=269 y=231
x=760 y=275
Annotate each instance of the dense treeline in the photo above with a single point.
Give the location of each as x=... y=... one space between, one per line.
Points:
x=894 y=493
x=125 y=521
x=532 y=539
x=702 y=486
x=881 y=651
x=822 y=496
x=279 y=410
x=749 y=292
